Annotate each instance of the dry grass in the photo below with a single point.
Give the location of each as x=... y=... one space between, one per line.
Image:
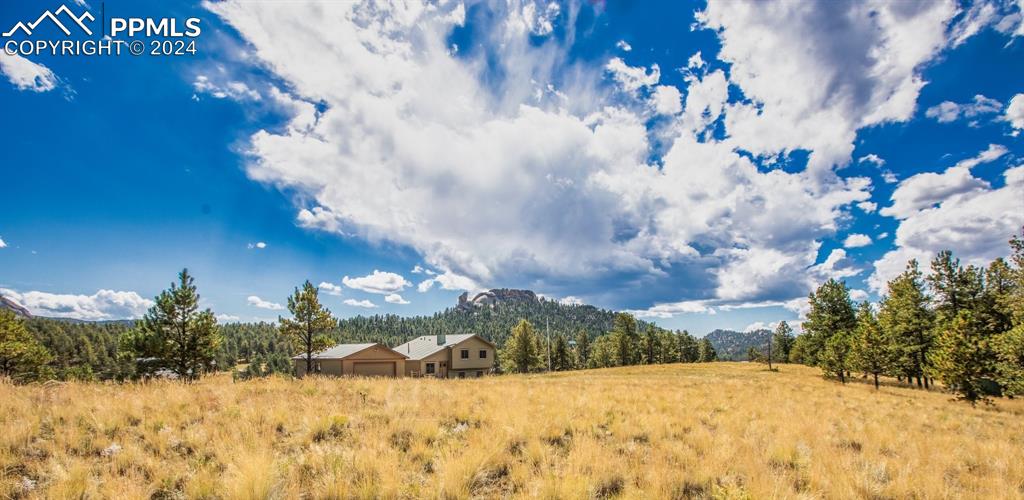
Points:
x=724 y=430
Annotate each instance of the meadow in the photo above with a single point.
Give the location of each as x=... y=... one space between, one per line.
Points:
x=707 y=430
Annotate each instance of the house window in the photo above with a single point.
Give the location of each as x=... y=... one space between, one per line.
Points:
x=430 y=368
x=464 y=354
x=483 y=353
x=462 y=374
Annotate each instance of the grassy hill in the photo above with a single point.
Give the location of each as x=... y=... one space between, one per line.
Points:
x=731 y=430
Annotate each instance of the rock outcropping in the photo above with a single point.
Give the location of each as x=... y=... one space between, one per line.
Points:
x=11 y=305
x=493 y=297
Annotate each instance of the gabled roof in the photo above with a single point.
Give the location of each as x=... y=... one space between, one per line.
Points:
x=421 y=347
x=343 y=351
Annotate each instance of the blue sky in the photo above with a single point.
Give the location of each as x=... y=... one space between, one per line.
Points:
x=701 y=165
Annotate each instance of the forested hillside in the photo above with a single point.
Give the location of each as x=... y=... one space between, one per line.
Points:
x=733 y=345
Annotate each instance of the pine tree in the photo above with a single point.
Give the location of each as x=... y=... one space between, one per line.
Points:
x=961 y=358
x=522 y=352
x=954 y=286
x=869 y=349
x=627 y=339
x=652 y=345
x=907 y=324
x=831 y=314
x=583 y=348
x=22 y=357
x=310 y=323
x=1008 y=346
x=689 y=351
x=834 y=359
x=781 y=342
x=706 y=352
x=560 y=359
x=176 y=334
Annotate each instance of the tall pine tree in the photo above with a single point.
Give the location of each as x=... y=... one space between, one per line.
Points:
x=310 y=322
x=869 y=349
x=907 y=323
x=830 y=323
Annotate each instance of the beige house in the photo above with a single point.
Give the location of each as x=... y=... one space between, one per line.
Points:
x=367 y=360
x=448 y=356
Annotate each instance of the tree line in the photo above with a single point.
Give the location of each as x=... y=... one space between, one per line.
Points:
x=959 y=325
x=527 y=350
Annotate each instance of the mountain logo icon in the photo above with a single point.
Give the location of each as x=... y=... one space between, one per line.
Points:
x=55 y=18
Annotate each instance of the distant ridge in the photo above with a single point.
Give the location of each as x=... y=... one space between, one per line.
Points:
x=11 y=305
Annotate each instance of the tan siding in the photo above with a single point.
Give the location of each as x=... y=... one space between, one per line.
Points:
x=474 y=363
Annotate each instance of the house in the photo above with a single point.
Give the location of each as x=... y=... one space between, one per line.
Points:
x=448 y=356
x=368 y=360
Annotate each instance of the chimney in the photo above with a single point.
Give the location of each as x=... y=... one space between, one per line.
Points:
x=440 y=339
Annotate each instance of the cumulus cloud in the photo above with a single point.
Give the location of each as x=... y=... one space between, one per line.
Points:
x=255 y=301
x=377 y=282
x=667 y=100
x=493 y=187
x=258 y=245
x=228 y=318
x=366 y=304
x=927 y=189
x=814 y=72
x=868 y=206
x=226 y=90
x=948 y=111
x=974 y=221
x=102 y=305
x=394 y=298
x=27 y=75
x=624 y=46
x=329 y=288
x=871 y=158
x=857 y=240
x=1015 y=112
x=570 y=301
x=3 y=244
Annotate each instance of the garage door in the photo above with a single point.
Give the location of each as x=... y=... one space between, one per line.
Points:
x=374 y=369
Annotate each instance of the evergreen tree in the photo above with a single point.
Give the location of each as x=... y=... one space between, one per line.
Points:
x=689 y=351
x=831 y=314
x=834 y=359
x=522 y=352
x=583 y=348
x=175 y=334
x=799 y=352
x=869 y=349
x=1009 y=362
x=907 y=324
x=22 y=357
x=961 y=358
x=954 y=286
x=782 y=342
x=669 y=352
x=627 y=339
x=706 y=352
x=309 y=324
x=652 y=345
x=560 y=356
x=753 y=354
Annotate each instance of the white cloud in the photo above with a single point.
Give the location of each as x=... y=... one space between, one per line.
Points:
x=667 y=100
x=570 y=189
x=27 y=75
x=624 y=46
x=632 y=78
x=761 y=325
x=226 y=90
x=395 y=298
x=259 y=245
x=948 y=111
x=571 y=301
x=858 y=295
x=378 y=282
x=366 y=304
x=857 y=240
x=3 y=244
x=868 y=206
x=102 y=305
x=228 y=318
x=927 y=189
x=818 y=71
x=974 y=224
x=871 y=158
x=329 y=288
x=883 y=236
x=263 y=304
x=695 y=61
x=1015 y=110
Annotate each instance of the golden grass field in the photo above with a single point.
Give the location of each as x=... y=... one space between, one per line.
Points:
x=721 y=430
